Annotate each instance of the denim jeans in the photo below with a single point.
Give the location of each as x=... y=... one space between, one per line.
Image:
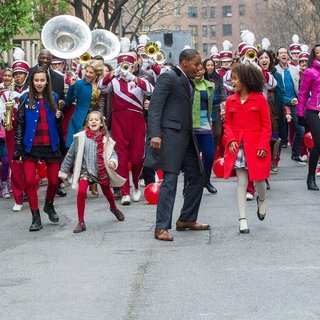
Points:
x=298 y=136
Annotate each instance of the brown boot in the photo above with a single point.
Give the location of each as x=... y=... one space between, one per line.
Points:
x=119 y=215
x=94 y=189
x=80 y=227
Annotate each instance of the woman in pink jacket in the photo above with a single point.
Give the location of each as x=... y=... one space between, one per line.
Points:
x=247 y=134
x=308 y=109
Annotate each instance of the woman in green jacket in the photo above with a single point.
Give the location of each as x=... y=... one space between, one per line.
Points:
x=201 y=116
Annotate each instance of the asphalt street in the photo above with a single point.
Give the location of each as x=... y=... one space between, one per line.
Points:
x=118 y=271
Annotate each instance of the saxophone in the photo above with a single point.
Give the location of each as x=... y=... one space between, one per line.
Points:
x=8 y=114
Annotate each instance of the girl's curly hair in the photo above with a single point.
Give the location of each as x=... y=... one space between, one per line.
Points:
x=250 y=76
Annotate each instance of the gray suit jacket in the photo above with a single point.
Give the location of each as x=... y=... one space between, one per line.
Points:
x=170 y=117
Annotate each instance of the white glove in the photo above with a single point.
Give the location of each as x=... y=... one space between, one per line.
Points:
x=117 y=71
x=128 y=76
x=150 y=62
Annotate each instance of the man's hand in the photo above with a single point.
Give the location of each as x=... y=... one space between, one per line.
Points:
x=155 y=143
x=294 y=101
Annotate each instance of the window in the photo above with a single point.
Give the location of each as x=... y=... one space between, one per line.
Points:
x=226 y=11
x=258 y=7
x=192 y=12
x=242 y=10
x=212 y=12
x=196 y=46
x=227 y=30
x=204 y=31
x=194 y=30
x=205 y=48
x=177 y=11
x=212 y=31
x=178 y=28
x=204 y=12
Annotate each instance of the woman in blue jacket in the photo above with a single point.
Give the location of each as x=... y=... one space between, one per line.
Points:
x=86 y=94
x=37 y=140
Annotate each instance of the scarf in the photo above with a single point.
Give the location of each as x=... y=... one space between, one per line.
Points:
x=102 y=170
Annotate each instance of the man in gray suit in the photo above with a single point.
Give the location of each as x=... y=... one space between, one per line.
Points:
x=171 y=146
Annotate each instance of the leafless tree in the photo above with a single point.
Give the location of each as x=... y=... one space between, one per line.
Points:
x=124 y=17
x=284 y=18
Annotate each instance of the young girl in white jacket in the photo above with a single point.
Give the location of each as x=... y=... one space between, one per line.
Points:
x=95 y=161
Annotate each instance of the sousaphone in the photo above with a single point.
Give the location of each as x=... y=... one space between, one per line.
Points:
x=66 y=36
x=105 y=44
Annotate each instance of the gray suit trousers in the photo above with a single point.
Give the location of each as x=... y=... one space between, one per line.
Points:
x=192 y=191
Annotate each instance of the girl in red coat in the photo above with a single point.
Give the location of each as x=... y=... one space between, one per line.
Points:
x=247 y=133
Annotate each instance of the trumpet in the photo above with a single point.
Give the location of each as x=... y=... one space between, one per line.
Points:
x=251 y=55
x=8 y=115
x=125 y=67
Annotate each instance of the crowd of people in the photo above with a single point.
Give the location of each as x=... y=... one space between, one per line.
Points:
x=94 y=124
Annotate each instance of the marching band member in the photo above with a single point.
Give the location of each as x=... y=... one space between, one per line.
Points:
x=20 y=71
x=128 y=124
x=294 y=50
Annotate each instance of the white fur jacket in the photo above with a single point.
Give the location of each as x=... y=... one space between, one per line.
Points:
x=76 y=154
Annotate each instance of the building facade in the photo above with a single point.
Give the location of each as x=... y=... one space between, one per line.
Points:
x=213 y=21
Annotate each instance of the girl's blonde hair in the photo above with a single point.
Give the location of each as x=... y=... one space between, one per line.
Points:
x=102 y=118
x=97 y=67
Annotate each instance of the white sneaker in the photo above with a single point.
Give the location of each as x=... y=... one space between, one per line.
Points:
x=125 y=200
x=136 y=195
x=17 y=207
x=249 y=196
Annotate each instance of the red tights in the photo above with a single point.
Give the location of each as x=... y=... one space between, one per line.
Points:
x=82 y=193
x=32 y=185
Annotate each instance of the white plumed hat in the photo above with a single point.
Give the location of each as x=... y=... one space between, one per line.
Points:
x=18 y=54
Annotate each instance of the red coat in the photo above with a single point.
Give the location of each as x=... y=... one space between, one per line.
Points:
x=250 y=124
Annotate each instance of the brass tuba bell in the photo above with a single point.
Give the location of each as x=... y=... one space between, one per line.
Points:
x=151 y=49
x=105 y=44
x=66 y=36
x=251 y=55
x=85 y=57
x=160 y=57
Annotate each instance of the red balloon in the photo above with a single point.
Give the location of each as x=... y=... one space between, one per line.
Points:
x=159 y=174
x=308 y=141
x=218 y=168
x=151 y=192
x=42 y=169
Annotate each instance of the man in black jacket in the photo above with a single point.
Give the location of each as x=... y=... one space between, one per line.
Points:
x=171 y=146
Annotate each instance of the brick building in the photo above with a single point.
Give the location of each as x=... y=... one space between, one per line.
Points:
x=213 y=21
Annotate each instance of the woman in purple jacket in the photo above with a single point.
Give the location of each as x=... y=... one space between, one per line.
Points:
x=308 y=110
